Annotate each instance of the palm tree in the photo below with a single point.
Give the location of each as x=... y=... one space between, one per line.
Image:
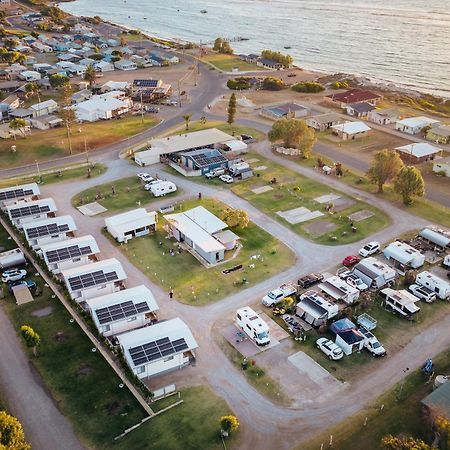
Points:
x=90 y=75
x=187 y=119
x=18 y=124
x=32 y=89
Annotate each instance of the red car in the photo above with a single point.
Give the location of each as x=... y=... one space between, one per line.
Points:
x=350 y=261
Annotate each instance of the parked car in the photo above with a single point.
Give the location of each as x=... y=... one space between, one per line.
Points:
x=275 y=296
x=343 y=273
x=351 y=260
x=332 y=350
x=355 y=281
x=310 y=280
x=215 y=173
x=292 y=74
x=152 y=109
x=13 y=275
x=147 y=178
x=142 y=175
x=370 y=249
x=148 y=186
x=30 y=284
x=226 y=179
x=423 y=293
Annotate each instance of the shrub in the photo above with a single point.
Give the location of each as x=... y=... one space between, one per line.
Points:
x=273 y=84
x=340 y=85
x=308 y=86
x=241 y=83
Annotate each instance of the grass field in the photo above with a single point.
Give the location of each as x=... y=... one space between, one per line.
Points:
x=58 y=176
x=191 y=281
x=50 y=144
x=129 y=193
x=227 y=63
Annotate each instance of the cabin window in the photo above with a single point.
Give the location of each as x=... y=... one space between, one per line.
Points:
x=106 y=328
x=168 y=359
x=140 y=369
x=131 y=319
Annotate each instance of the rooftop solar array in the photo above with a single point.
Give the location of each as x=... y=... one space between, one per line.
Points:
x=91 y=279
x=30 y=210
x=206 y=159
x=146 y=83
x=62 y=254
x=155 y=350
x=121 y=311
x=15 y=193
x=46 y=230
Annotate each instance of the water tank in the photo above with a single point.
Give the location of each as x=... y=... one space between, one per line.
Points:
x=440 y=380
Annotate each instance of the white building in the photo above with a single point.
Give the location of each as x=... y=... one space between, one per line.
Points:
x=123 y=311
x=418 y=152
x=414 y=125
x=338 y=289
x=22 y=192
x=202 y=232
x=30 y=75
x=104 y=66
x=323 y=122
x=125 y=64
x=115 y=86
x=375 y=273
x=404 y=256
x=442 y=166
x=134 y=223
x=24 y=211
x=70 y=253
x=383 y=116
x=44 y=108
x=55 y=229
x=159 y=348
x=350 y=130
x=95 y=279
x=100 y=108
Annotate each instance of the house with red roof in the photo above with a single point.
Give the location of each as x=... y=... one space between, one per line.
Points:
x=353 y=96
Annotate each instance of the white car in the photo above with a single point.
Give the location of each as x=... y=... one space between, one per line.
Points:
x=226 y=179
x=147 y=178
x=332 y=350
x=141 y=176
x=369 y=249
x=423 y=293
x=150 y=184
x=356 y=282
x=13 y=275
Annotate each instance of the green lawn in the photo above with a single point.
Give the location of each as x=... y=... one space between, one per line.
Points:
x=227 y=63
x=50 y=144
x=128 y=193
x=434 y=212
x=191 y=281
x=58 y=176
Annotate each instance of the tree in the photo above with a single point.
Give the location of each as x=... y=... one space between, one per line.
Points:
x=295 y=134
x=222 y=46
x=217 y=44
x=286 y=60
x=90 y=74
x=229 y=423
x=57 y=80
x=33 y=89
x=18 y=124
x=31 y=338
x=442 y=424
x=12 y=436
x=238 y=84
x=409 y=184
x=273 y=84
x=235 y=217
x=385 y=166
x=231 y=108
x=187 y=119
x=403 y=443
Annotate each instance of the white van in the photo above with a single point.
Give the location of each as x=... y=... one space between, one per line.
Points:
x=162 y=188
x=436 y=284
x=253 y=326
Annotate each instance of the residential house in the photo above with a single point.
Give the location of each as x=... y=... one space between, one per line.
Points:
x=352 y=96
x=8 y=104
x=70 y=253
x=95 y=279
x=81 y=96
x=87 y=62
x=46 y=122
x=198 y=162
x=61 y=47
x=115 y=86
x=159 y=348
x=383 y=116
x=123 y=311
x=15 y=193
x=30 y=75
x=54 y=229
x=288 y=110
x=6 y=132
x=24 y=211
x=131 y=224
x=100 y=108
x=104 y=66
x=125 y=64
x=414 y=125
x=15 y=69
x=68 y=57
x=324 y=122
x=42 y=68
x=360 y=110
x=42 y=48
x=442 y=166
x=439 y=134
x=439 y=399
x=21 y=113
x=350 y=130
x=418 y=152
x=200 y=231
x=269 y=64
x=44 y=108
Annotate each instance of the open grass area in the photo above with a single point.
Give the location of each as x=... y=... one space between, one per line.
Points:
x=402 y=413
x=58 y=176
x=191 y=281
x=434 y=212
x=51 y=144
x=128 y=193
x=227 y=63
x=256 y=376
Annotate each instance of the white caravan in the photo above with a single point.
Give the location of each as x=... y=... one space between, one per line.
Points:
x=162 y=188
x=253 y=326
x=435 y=284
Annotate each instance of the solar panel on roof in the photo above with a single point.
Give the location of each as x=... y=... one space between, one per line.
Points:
x=29 y=210
x=123 y=310
x=91 y=279
x=146 y=83
x=63 y=254
x=46 y=230
x=205 y=159
x=15 y=193
x=156 y=349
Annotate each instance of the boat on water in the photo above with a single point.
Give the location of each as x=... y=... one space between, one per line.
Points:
x=203 y=11
x=287 y=47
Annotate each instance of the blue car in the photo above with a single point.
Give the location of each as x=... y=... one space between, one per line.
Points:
x=30 y=284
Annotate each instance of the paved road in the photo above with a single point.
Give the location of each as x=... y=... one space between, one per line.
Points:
x=45 y=427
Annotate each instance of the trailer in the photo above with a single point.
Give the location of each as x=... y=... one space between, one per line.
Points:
x=375 y=273
x=435 y=236
x=435 y=284
x=404 y=256
x=12 y=258
x=162 y=188
x=401 y=302
x=239 y=168
x=253 y=326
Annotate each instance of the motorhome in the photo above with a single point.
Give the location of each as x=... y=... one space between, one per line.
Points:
x=435 y=284
x=402 y=302
x=253 y=326
x=404 y=256
x=162 y=188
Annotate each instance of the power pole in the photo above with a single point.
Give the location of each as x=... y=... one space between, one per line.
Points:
x=179 y=93
x=142 y=107
x=86 y=150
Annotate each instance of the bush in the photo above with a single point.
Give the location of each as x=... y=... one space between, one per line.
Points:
x=308 y=86
x=241 y=83
x=340 y=85
x=273 y=84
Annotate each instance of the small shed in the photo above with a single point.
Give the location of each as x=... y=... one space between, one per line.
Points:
x=22 y=294
x=418 y=152
x=350 y=341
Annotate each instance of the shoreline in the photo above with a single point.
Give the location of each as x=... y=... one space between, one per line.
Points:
x=363 y=81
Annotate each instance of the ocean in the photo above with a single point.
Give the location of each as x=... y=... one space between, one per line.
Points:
x=404 y=42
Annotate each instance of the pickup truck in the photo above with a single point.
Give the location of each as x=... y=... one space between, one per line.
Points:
x=372 y=344
x=275 y=296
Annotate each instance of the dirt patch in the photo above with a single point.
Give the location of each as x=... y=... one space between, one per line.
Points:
x=60 y=337
x=43 y=312
x=360 y=215
x=113 y=409
x=83 y=370
x=343 y=203
x=320 y=227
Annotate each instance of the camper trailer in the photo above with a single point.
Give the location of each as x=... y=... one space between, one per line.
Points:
x=239 y=168
x=404 y=256
x=314 y=309
x=12 y=258
x=253 y=326
x=162 y=188
x=375 y=273
x=401 y=302
x=434 y=283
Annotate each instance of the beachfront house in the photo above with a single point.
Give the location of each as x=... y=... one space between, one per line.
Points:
x=360 y=110
x=350 y=130
x=342 y=99
x=94 y=279
x=414 y=125
x=12 y=194
x=135 y=223
x=439 y=134
x=442 y=166
x=159 y=348
x=24 y=211
x=288 y=110
x=383 y=116
x=418 y=152
x=324 y=122
x=268 y=64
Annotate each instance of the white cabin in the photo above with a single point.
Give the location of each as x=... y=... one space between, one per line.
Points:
x=134 y=223
x=15 y=193
x=24 y=211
